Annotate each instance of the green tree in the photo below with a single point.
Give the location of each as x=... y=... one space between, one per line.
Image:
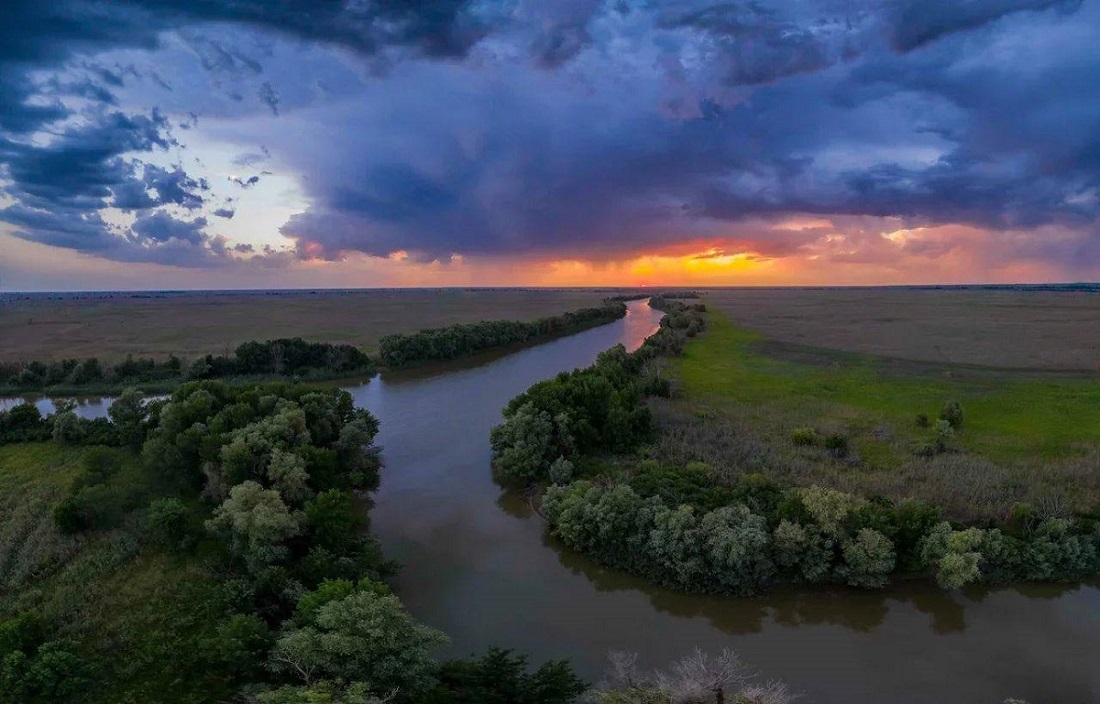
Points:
x=257 y=522
x=363 y=637
x=129 y=415
x=529 y=441
x=502 y=677
x=869 y=559
x=737 y=548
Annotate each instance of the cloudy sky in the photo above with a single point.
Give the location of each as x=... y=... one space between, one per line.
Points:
x=258 y=143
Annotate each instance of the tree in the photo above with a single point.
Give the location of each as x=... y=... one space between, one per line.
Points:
x=529 y=441
x=128 y=414
x=68 y=428
x=804 y=554
x=256 y=521
x=828 y=507
x=287 y=473
x=868 y=559
x=363 y=637
x=501 y=677
x=675 y=545
x=738 y=548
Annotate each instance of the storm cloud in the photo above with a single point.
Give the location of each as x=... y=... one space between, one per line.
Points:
x=583 y=129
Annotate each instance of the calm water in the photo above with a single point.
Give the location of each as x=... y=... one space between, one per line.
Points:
x=478 y=566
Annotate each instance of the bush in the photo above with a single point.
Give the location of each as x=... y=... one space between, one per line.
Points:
x=167 y=522
x=952 y=413
x=926 y=449
x=945 y=435
x=804 y=436
x=837 y=445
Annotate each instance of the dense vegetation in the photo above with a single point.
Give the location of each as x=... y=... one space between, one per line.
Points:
x=678 y=524
x=599 y=409
x=465 y=339
x=215 y=545
x=292 y=357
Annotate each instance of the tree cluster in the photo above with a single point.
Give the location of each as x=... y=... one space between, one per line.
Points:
x=283 y=357
x=464 y=339
x=598 y=409
x=758 y=534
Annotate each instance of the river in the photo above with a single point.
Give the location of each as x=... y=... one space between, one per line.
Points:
x=477 y=565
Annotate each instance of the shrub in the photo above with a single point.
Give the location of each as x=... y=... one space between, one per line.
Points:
x=926 y=449
x=837 y=444
x=952 y=413
x=166 y=521
x=804 y=436
x=945 y=435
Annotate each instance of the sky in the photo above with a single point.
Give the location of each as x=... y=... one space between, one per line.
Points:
x=197 y=144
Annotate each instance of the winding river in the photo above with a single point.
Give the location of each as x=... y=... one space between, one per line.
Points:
x=480 y=567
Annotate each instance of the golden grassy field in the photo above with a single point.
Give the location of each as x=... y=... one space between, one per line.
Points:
x=1036 y=330
x=111 y=326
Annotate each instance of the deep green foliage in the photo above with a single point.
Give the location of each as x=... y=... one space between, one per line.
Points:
x=501 y=677
x=23 y=423
x=35 y=668
x=464 y=339
x=283 y=357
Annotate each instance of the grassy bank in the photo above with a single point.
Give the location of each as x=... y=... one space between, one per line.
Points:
x=1023 y=438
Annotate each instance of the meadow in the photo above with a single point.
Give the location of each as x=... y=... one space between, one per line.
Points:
x=1019 y=329
x=188 y=325
x=751 y=402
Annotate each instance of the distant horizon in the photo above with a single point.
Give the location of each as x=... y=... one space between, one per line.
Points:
x=655 y=287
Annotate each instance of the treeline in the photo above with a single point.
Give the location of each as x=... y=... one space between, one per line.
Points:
x=292 y=357
x=674 y=525
x=255 y=494
x=463 y=339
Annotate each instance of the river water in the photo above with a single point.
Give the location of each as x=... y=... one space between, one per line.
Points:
x=477 y=565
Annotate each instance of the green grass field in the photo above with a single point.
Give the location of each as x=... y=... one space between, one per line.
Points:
x=1024 y=437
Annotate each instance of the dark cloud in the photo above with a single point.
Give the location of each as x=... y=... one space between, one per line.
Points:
x=159 y=227
x=917 y=23
x=573 y=128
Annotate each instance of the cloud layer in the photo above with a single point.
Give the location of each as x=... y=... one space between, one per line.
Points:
x=578 y=130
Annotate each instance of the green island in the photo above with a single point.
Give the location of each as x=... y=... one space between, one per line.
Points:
x=704 y=463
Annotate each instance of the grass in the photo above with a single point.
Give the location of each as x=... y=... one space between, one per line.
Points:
x=1009 y=329
x=112 y=326
x=1024 y=437
x=144 y=613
